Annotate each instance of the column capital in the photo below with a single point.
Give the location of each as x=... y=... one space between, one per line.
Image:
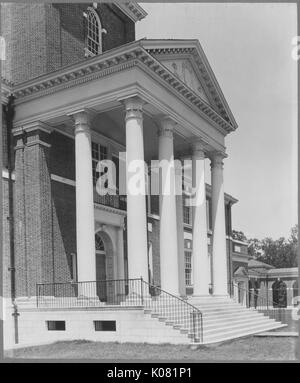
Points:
x=199 y=147
x=217 y=158
x=166 y=126
x=82 y=119
x=133 y=107
x=81 y=116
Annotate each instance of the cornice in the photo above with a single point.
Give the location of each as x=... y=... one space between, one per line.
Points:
x=131 y=9
x=110 y=209
x=6 y=89
x=193 y=49
x=114 y=61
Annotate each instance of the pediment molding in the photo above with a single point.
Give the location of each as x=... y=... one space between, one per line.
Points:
x=113 y=61
x=200 y=65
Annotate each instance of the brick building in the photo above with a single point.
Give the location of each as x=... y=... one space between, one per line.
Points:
x=83 y=91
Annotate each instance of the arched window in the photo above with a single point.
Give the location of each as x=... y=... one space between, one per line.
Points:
x=93 y=33
x=279 y=294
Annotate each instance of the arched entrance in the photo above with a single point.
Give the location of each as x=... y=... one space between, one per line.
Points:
x=104 y=264
x=279 y=294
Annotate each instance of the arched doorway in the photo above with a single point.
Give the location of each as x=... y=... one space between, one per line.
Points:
x=279 y=294
x=104 y=265
x=100 y=268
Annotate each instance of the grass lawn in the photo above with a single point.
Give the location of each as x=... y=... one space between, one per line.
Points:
x=249 y=348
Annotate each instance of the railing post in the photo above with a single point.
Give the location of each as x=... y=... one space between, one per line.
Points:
x=142 y=293
x=194 y=326
x=37 y=298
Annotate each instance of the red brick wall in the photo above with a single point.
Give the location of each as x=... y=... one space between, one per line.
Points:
x=43 y=37
x=62 y=158
x=64 y=229
x=62 y=162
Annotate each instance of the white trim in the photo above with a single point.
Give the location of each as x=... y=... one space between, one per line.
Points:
x=240 y=242
x=132 y=10
x=154 y=216
x=63 y=180
x=5 y=174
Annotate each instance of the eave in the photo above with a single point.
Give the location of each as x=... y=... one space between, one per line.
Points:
x=118 y=59
x=131 y=9
x=6 y=90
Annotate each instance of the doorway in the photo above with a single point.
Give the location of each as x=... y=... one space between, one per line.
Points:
x=101 y=275
x=279 y=294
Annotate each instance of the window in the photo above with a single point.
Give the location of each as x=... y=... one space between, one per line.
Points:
x=105 y=325
x=99 y=243
x=93 y=33
x=188 y=267
x=56 y=325
x=99 y=153
x=186 y=215
x=237 y=249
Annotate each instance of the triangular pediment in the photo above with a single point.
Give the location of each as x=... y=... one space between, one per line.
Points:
x=187 y=60
x=183 y=69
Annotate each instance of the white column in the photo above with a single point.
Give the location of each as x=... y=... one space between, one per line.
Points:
x=218 y=226
x=136 y=201
x=180 y=245
x=200 y=251
x=168 y=219
x=85 y=231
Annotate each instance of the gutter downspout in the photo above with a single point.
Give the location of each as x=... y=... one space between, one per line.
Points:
x=9 y=112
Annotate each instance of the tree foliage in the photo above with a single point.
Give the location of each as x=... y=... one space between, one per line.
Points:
x=280 y=253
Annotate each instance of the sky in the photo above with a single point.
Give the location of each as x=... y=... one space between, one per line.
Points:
x=249 y=49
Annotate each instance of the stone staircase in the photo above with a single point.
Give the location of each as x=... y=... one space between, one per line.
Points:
x=223 y=319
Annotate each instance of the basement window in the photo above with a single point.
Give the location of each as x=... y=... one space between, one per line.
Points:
x=56 y=325
x=105 y=325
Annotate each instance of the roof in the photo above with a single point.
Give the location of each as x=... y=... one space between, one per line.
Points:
x=240 y=272
x=193 y=49
x=288 y=271
x=255 y=264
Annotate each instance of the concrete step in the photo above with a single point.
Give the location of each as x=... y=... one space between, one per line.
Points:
x=227 y=317
x=222 y=324
x=237 y=326
x=232 y=334
x=214 y=312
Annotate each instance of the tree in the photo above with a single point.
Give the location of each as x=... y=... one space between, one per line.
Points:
x=281 y=252
x=239 y=235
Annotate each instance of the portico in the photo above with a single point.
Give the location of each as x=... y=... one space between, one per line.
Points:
x=155 y=112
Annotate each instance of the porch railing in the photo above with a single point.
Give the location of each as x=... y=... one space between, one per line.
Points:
x=111 y=200
x=123 y=292
x=252 y=299
x=176 y=310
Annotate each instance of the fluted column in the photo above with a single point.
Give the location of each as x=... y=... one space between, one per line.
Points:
x=219 y=253
x=168 y=218
x=85 y=231
x=200 y=250
x=136 y=201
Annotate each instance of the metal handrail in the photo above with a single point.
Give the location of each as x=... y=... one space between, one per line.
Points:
x=177 y=310
x=259 y=303
x=117 y=292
